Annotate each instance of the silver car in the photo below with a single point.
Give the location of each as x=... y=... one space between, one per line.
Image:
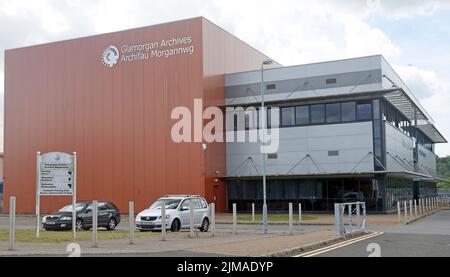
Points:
x=177 y=214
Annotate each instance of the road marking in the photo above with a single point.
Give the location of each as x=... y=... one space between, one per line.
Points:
x=338 y=245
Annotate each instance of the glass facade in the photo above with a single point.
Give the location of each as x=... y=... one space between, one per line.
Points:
x=314 y=195
x=397 y=190
x=318 y=114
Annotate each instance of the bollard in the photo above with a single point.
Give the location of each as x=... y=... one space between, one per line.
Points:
x=234 y=219
x=399 y=210
x=339 y=228
x=415 y=208
x=411 y=208
x=423 y=205
x=94 y=224
x=12 y=223
x=420 y=206
x=192 y=219
x=291 y=218
x=131 y=221
x=163 y=220
x=300 y=217
x=253 y=212
x=213 y=219
x=406 y=210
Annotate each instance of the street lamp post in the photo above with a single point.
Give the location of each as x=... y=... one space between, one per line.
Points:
x=263 y=127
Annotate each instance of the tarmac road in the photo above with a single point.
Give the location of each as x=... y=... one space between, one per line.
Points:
x=429 y=237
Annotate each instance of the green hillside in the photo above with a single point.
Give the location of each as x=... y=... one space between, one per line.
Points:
x=443 y=170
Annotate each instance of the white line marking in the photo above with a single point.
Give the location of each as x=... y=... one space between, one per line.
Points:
x=338 y=245
x=332 y=246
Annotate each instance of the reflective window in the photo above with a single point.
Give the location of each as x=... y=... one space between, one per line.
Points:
x=364 y=111
x=317 y=114
x=348 y=111
x=333 y=113
x=302 y=115
x=288 y=116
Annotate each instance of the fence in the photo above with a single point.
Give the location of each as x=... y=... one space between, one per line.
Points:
x=339 y=213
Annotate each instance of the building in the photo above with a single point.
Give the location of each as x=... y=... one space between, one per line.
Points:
x=109 y=98
x=350 y=129
x=1 y=182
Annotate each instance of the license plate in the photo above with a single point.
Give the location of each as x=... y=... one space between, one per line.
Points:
x=51 y=223
x=147 y=223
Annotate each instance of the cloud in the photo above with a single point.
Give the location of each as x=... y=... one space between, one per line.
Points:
x=290 y=31
x=401 y=9
x=434 y=94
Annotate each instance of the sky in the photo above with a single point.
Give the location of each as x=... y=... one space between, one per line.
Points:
x=413 y=35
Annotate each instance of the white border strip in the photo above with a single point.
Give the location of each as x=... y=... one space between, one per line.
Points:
x=338 y=245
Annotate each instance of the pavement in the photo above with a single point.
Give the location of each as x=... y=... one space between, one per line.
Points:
x=249 y=240
x=427 y=237
x=223 y=244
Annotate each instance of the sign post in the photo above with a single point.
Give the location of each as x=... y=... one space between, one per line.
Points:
x=38 y=199
x=56 y=176
x=74 y=195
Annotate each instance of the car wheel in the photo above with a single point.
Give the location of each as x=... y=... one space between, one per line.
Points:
x=205 y=225
x=79 y=225
x=111 y=224
x=176 y=225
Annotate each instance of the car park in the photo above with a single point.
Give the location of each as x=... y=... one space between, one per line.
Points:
x=108 y=217
x=178 y=215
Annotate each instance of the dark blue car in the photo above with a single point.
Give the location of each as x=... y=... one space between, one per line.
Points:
x=108 y=217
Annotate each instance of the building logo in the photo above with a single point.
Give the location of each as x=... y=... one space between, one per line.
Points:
x=111 y=56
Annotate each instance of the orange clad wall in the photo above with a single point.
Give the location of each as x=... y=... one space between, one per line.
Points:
x=60 y=97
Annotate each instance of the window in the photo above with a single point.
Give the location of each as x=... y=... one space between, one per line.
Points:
x=317 y=114
x=251 y=120
x=271 y=86
x=333 y=113
x=331 y=81
x=288 y=116
x=186 y=205
x=348 y=111
x=302 y=115
x=197 y=204
x=102 y=206
x=364 y=111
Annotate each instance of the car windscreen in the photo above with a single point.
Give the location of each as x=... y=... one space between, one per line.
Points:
x=78 y=208
x=171 y=204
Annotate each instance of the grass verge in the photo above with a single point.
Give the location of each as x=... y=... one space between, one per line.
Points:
x=28 y=236
x=275 y=217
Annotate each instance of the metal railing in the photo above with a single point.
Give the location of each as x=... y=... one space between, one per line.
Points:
x=352 y=208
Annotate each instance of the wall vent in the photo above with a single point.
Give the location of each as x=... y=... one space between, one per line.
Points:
x=333 y=153
x=271 y=86
x=331 y=81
